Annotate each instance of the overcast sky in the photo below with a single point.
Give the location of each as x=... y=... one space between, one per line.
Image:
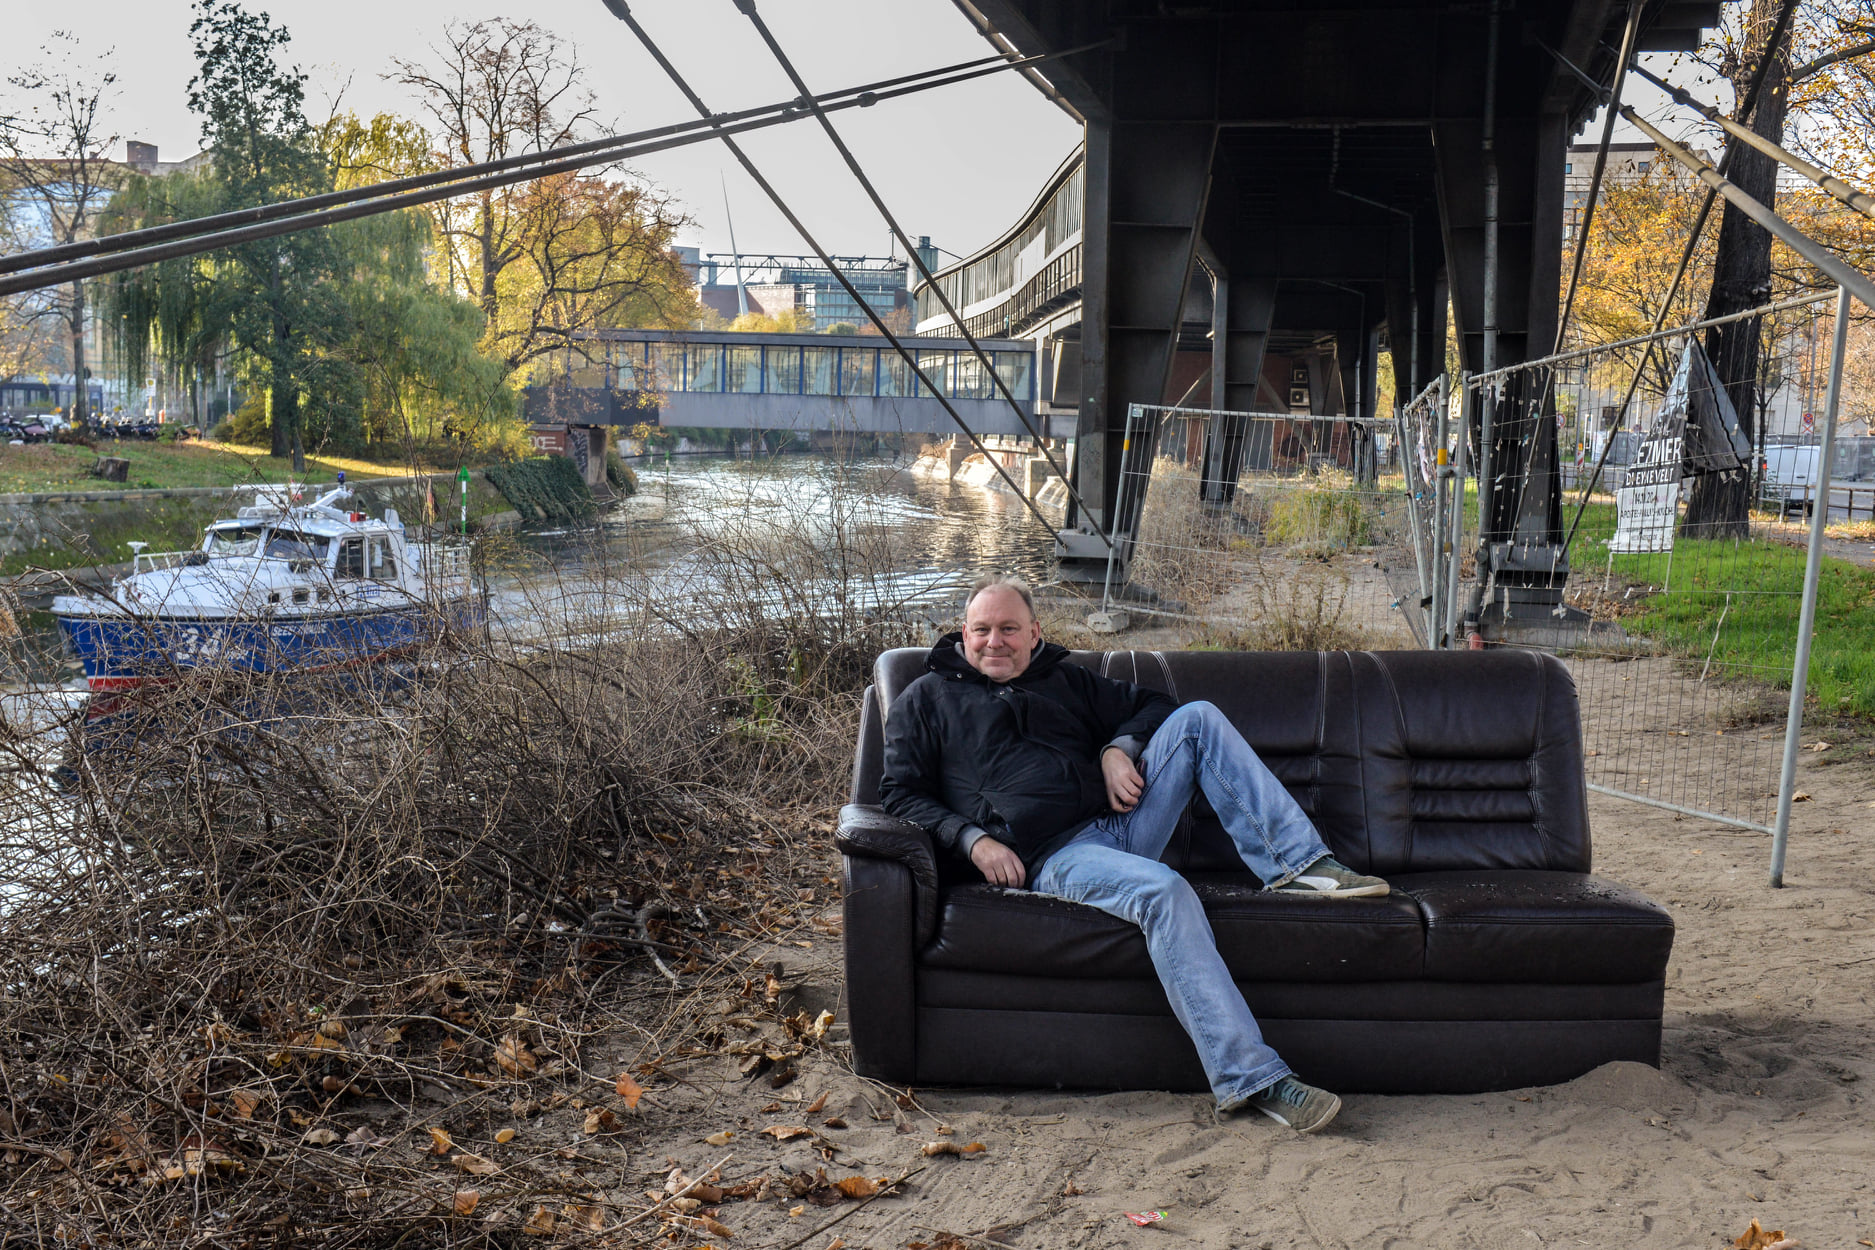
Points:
x=958 y=163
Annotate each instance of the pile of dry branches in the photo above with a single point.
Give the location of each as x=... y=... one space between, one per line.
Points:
x=254 y=930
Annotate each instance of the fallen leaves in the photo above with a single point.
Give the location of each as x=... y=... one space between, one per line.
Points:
x=440 y=1143
x=1757 y=1238
x=466 y=1201
x=474 y=1164
x=628 y=1089
x=513 y=1057
x=786 y=1132
x=720 y=1139
x=932 y=1149
x=601 y=1120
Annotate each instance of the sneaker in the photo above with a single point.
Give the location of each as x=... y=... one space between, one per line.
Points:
x=1327 y=879
x=1289 y=1102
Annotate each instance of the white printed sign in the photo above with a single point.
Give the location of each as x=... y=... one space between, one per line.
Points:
x=1648 y=517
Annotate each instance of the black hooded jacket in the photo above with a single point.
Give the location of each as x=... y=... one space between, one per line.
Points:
x=1019 y=759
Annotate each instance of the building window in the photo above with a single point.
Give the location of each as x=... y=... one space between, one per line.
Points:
x=743 y=375
x=972 y=379
x=856 y=370
x=936 y=367
x=1645 y=166
x=1015 y=368
x=1568 y=168
x=784 y=371
x=629 y=361
x=895 y=376
x=705 y=372
x=817 y=370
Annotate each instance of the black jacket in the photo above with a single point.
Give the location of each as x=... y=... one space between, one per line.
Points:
x=1020 y=759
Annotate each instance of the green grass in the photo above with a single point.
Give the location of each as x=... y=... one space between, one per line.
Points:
x=48 y=467
x=1756 y=588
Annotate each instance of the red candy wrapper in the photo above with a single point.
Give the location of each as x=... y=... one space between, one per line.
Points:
x=1144 y=1218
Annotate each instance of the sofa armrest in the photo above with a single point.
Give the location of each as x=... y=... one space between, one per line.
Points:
x=868 y=832
x=881 y=968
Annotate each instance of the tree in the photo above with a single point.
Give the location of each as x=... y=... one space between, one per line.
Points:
x=54 y=170
x=551 y=259
x=1832 y=41
x=283 y=310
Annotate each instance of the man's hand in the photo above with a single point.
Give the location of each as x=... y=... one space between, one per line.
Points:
x=1124 y=784
x=998 y=863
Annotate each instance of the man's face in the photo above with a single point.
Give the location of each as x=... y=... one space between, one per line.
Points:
x=1000 y=634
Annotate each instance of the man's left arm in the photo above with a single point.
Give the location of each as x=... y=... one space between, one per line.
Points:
x=1128 y=716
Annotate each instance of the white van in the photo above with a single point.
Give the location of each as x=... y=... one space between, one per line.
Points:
x=1787 y=477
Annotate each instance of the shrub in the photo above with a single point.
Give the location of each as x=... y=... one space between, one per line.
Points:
x=619 y=475
x=546 y=488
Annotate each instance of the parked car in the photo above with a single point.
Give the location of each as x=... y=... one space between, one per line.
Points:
x=1855 y=459
x=1787 y=477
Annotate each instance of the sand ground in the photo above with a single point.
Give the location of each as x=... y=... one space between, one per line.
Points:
x=1757 y=1111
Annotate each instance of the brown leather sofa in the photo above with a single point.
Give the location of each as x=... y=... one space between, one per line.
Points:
x=1498 y=961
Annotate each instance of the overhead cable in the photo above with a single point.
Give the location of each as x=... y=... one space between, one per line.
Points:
x=622 y=11
x=924 y=272
x=1780 y=27
x=1610 y=102
x=55 y=266
x=1860 y=201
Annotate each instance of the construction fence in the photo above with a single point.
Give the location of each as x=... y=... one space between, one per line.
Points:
x=1667 y=550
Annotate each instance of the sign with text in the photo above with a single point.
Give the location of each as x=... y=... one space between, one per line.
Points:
x=1695 y=432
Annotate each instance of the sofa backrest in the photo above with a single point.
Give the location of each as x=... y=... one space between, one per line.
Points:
x=1407 y=761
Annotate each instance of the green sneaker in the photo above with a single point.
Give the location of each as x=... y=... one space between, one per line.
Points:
x=1300 y=1107
x=1326 y=878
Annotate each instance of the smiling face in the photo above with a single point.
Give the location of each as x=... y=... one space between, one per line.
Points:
x=1000 y=633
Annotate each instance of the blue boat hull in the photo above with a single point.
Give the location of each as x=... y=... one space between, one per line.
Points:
x=123 y=653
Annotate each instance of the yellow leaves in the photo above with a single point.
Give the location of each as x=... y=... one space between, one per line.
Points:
x=1757 y=1238
x=475 y=1165
x=540 y=1223
x=859 y=1186
x=440 y=1143
x=505 y=1136
x=513 y=1057
x=720 y=1139
x=786 y=1132
x=933 y=1149
x=628 y=1089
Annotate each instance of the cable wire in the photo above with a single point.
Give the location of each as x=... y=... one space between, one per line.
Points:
x=852 y=163
x=54 y=266
x=622 y=11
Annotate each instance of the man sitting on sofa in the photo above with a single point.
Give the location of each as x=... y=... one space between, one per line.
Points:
x=1047 y=774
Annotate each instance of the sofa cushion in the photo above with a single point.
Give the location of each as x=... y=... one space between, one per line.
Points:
x=1533 y=927
x=1262 y=936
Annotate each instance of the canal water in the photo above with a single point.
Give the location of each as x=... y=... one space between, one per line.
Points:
x=920 y=540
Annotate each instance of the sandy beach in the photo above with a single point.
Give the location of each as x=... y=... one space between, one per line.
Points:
x=1757 y=1110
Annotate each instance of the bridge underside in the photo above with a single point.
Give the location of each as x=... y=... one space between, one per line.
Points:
x=1331 y=167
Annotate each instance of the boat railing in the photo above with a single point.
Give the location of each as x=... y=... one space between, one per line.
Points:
x=446 y=564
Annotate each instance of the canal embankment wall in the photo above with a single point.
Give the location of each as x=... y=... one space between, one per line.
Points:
x=81 y=529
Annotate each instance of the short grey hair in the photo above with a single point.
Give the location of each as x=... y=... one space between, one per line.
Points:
x=1013 y=581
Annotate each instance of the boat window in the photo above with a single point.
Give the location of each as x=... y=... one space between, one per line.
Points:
x=351 y=562
x=294 y=545
x=379 y=562
x=233 y=540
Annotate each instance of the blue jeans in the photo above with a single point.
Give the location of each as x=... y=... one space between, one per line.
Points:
x=1113 y=864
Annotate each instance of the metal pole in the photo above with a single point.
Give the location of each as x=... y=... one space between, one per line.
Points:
x=1806 y=620
x=1133 y=411
x=1462 y=461
x=1441 y=525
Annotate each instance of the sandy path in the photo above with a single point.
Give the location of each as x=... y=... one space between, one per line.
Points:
x=1757 y=1111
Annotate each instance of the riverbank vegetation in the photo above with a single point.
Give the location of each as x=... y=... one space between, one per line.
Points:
x=376 y=964
x=155 y=465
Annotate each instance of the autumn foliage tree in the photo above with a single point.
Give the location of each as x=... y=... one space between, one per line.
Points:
x=554 y=258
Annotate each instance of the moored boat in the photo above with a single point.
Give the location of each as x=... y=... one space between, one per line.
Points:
x=280 y=587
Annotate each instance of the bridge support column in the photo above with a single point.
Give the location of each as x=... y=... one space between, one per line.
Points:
x=1146 y=188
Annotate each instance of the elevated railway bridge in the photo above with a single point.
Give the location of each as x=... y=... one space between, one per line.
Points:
x=1268 y=190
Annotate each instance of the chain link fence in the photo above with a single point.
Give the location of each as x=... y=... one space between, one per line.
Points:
x=1267 y=530
x=1679 y=596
